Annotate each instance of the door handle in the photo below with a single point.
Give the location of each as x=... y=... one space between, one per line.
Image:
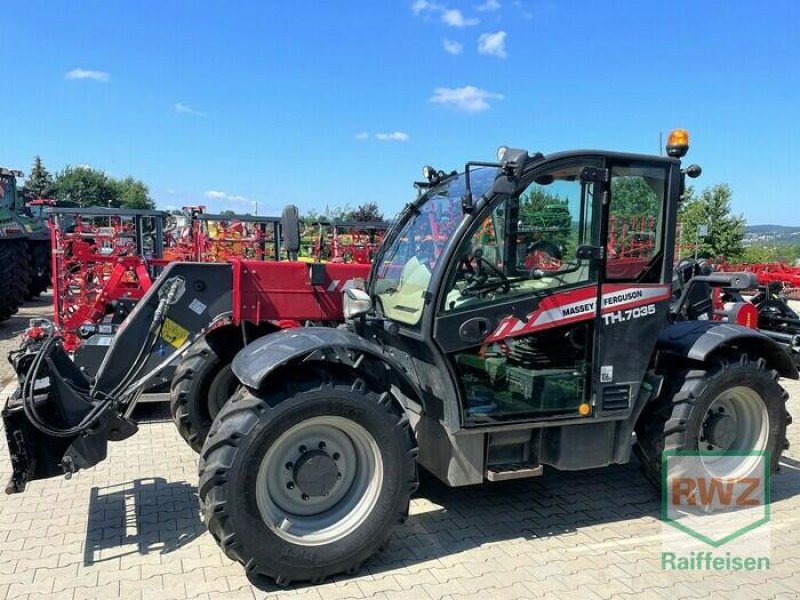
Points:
x=474 y=329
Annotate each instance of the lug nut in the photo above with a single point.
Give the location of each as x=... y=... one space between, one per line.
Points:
x=302 y=449
x=338 y=476
x=289 y=485
x=335 y=456
x=322 y=445
x=304 y=496
x=289 y=466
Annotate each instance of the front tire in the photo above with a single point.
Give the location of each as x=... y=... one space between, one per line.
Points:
x=735 y=406
x=309 y=479
x=203 y=382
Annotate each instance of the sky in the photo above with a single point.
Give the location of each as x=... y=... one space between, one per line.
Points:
x=255 y=105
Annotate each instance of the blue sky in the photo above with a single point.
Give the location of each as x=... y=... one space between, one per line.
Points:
x=342 y=102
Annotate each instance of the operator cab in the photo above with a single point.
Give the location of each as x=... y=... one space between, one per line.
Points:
x=494 y=276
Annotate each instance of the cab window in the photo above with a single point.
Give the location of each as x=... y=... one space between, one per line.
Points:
x=635 y=224
x=527 y=243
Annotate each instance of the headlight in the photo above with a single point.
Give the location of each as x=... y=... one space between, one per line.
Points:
x=355 y=302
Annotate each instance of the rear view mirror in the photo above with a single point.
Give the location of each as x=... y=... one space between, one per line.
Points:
x=587 y=252
x=290 y=224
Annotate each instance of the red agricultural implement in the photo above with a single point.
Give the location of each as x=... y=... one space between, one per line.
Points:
x=106 y=259
x=103 y=262
x=772 y=273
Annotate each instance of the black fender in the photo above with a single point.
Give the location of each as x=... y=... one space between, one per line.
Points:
x=698 y=340
x=254 y=364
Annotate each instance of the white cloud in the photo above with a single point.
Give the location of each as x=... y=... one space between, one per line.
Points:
x=394 y=136
x=362 y=135
x=100 y=76
x=452 y=47
x=454 y=18
x=420 y=6
x=185 y=109
x=218 y=195
x=488 y=6
x=469 y=98
x=493 y=44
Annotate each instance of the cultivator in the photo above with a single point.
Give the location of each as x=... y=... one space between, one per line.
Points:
x=105 y=260
x=772 y=273
x=342 y=241
x=103 y=263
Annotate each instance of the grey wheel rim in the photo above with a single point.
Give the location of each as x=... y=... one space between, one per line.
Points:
x=734 y=431
x=319 y=481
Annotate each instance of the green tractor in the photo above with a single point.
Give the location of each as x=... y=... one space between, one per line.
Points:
x=24 y=247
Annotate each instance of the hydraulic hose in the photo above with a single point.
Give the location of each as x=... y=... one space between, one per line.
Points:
x=105 y=400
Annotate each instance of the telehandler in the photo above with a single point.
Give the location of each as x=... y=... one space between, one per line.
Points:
x=467 y=353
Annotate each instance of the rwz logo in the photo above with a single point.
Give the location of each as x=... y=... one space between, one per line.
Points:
x=711 y=508
x=713 y=491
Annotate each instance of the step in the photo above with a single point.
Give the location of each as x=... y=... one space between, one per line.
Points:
x=513 y=471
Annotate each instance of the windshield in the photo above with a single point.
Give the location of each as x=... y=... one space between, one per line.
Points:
x=406 y=265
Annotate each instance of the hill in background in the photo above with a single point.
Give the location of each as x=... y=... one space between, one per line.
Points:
x=775 y=234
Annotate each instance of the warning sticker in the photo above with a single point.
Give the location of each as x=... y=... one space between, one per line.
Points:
x=174 y=334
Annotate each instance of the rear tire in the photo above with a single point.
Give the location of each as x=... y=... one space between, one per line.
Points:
x=683 y=417
x=202 y=384
x=15 y=276
x=280 y=517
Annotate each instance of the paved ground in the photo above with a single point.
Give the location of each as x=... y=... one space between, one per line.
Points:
x=130 y=528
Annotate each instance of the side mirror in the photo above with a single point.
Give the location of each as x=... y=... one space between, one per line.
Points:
x=290 y=224
x=587 y=252
x=355 y=302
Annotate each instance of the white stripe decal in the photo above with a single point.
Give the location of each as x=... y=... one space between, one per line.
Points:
x=615 y=300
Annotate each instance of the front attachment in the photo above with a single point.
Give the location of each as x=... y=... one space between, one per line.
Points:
x=59 y=403
x=58 y=420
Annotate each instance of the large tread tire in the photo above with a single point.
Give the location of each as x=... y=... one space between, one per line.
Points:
x=243 y=433
x=199 y=381
x=15 y=275
x=39 y=257
x=673 y=421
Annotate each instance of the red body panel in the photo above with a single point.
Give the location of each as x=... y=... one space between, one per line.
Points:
x=273 y=291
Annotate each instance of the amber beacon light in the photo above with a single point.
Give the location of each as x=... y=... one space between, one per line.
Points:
x=678 y=143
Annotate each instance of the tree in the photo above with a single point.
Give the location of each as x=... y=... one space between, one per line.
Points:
x=632 y=197
x=133 y=193
x=86 y=186
x=228 y=213
x=93 y=187
x=713 y=209
x=367 y=212
x=39 y=182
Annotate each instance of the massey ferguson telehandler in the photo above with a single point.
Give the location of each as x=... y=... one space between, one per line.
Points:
x=468 y=353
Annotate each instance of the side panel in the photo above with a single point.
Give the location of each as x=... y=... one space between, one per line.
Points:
x=269 y=291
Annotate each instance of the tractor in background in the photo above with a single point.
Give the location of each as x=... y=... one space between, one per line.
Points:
x=25 y=268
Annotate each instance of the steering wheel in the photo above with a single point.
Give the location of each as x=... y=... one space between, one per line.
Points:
x=479 y=282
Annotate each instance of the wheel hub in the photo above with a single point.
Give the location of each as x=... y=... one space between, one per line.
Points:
x=315 y=473
x=719 y=430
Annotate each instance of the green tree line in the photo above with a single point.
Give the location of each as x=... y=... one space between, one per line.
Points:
x=87 y=186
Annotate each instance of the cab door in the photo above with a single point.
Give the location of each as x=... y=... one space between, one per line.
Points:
x=517 y=318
